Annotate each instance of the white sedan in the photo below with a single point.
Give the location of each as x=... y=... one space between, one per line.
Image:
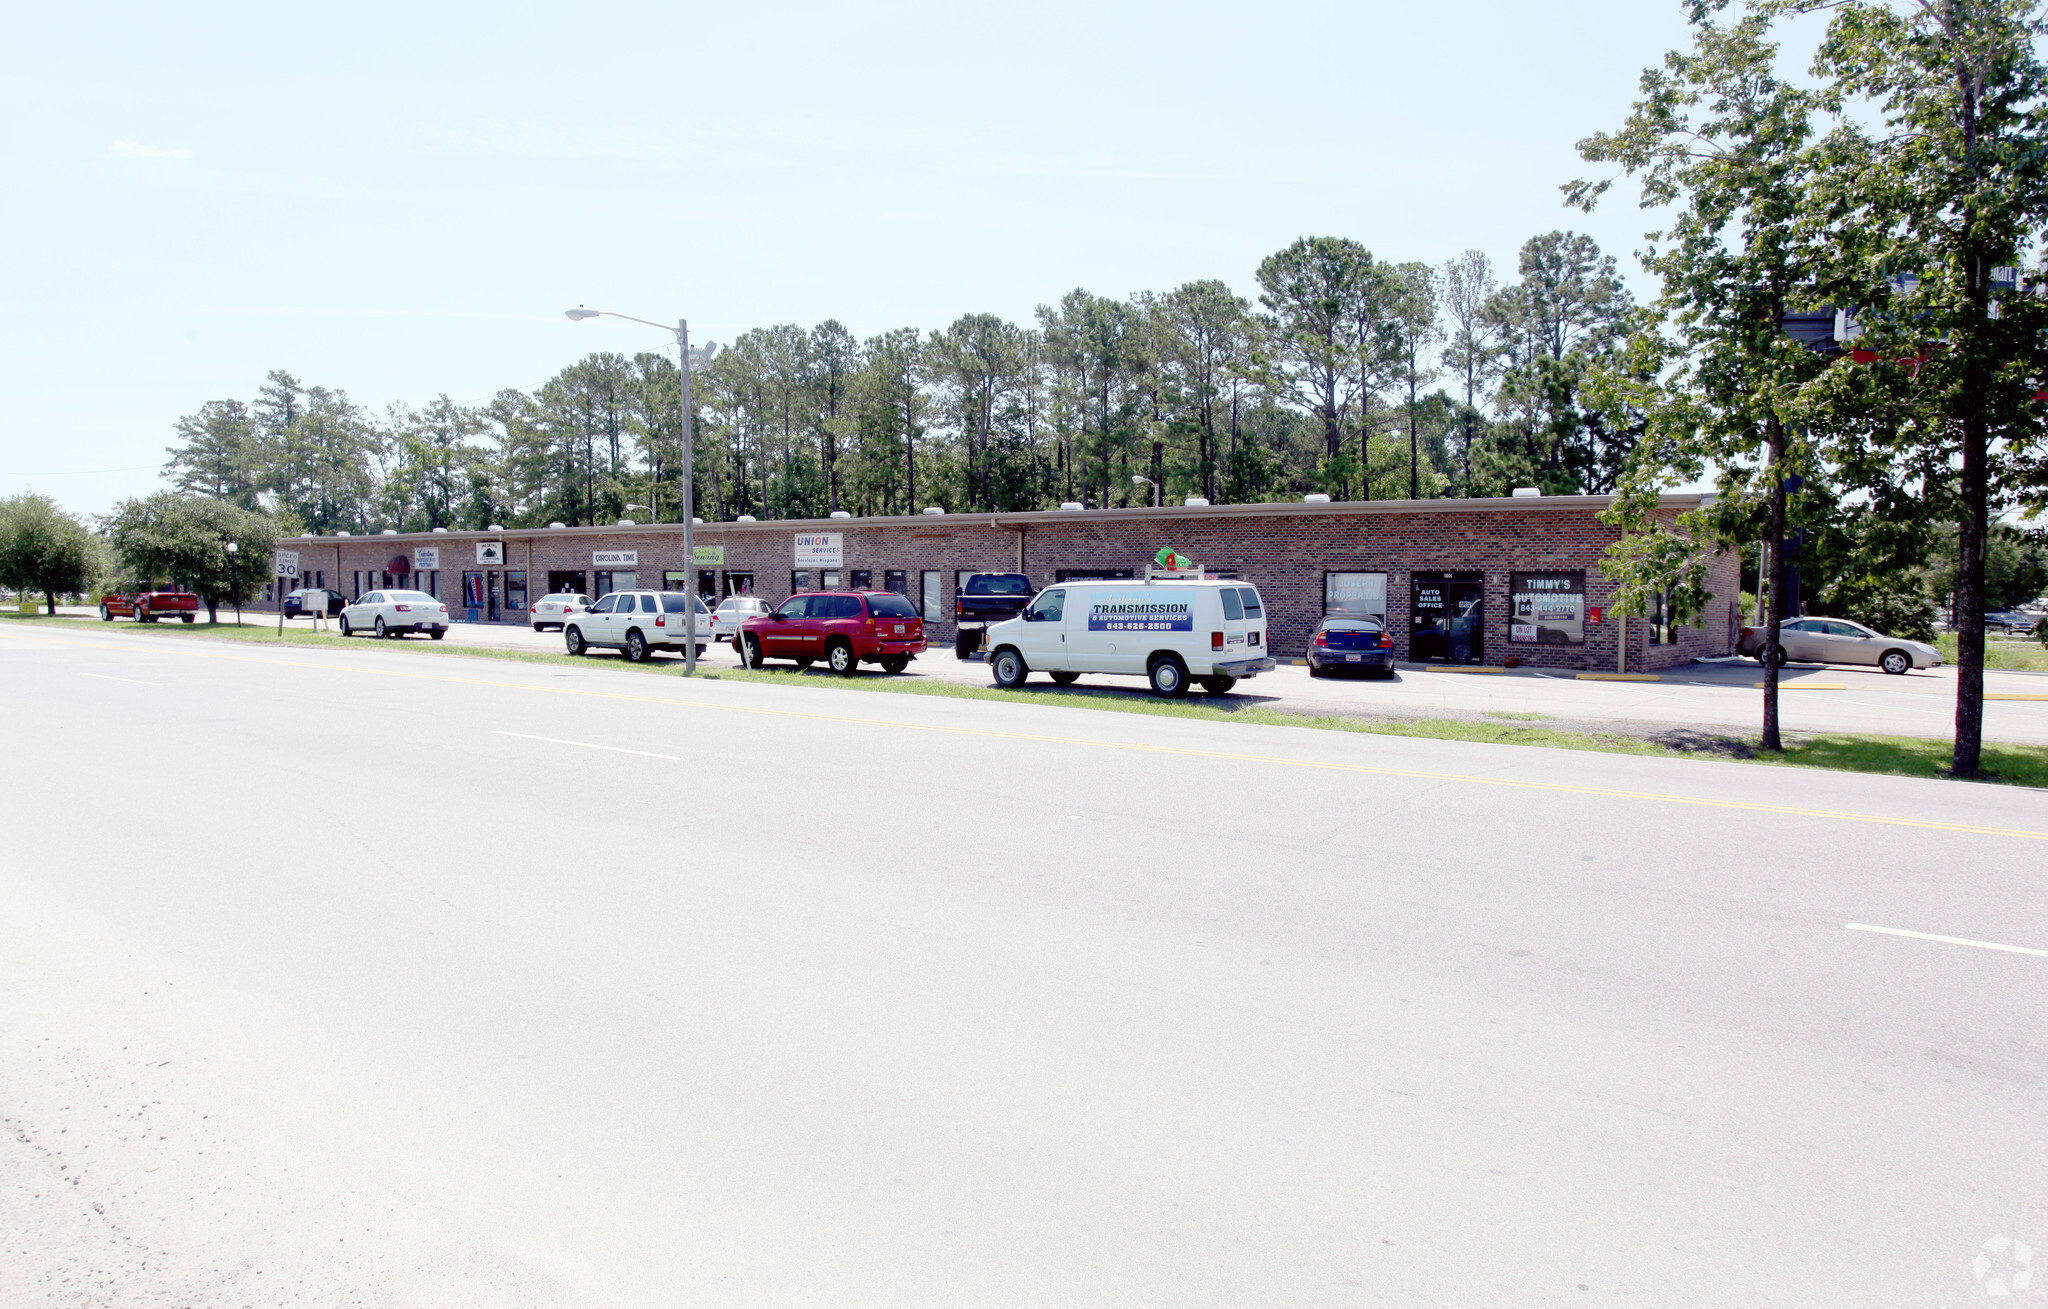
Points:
x=394 y=613
x=732 y=611
x=557 y=608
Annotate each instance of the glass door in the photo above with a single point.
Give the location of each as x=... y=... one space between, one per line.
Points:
x=1447 y=618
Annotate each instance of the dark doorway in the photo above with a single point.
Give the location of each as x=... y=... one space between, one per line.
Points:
x=572 y=583
x=707 y=584
x=1447 y=621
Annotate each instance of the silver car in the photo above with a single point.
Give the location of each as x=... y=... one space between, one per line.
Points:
x=1839 y=641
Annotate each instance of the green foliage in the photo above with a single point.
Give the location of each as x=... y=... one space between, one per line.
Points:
x=183 y=539
x=43 y=549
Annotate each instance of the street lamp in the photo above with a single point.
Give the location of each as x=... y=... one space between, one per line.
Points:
x=235 y=580
x=1152 y=494
x=682 y=332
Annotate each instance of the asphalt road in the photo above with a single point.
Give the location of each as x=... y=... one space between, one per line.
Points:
x=366 y=979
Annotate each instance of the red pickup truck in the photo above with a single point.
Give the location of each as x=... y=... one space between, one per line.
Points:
x=148 y=606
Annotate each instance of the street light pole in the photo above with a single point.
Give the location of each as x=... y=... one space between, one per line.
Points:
x=682 y=331
x=235 y=578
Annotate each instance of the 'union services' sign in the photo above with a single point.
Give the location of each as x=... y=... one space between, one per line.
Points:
x=1140 y=611
x=820 y=549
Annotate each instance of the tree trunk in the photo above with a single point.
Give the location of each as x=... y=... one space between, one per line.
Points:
x=1774 y=548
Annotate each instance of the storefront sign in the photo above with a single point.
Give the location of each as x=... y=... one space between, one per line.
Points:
x=713 y=555
x=490 y=552
x=426 y=558
x=1547 y=609
x=1139 y=611
x=820 y=550
x=615 y=559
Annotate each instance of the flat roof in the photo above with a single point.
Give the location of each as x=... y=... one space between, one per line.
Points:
x=1264 y=509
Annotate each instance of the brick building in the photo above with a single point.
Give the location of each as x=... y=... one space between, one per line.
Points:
x=1470 y=581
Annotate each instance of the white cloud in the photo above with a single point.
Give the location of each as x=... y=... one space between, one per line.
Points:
x=137 y=150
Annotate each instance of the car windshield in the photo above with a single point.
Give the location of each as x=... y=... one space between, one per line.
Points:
x=998 y=584
x=890 y=606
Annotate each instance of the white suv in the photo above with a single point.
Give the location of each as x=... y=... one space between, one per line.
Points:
x=1169 y=630
x=638 y=622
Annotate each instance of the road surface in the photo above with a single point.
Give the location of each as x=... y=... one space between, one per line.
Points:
x=371 y=979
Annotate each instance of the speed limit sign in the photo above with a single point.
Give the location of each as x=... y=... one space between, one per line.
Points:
x=288 y=564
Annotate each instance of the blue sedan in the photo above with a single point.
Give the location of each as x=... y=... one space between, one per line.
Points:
x=1361 y=645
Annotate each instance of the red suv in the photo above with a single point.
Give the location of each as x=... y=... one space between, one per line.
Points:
x=844 y=628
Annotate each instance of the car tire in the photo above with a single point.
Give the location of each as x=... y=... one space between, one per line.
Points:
x=1169 y=677
x=1769 y=654
x=106 y=615
x=1218 y=685
x=140 y=617
x=965 y=644
x=1896 y=662
x=1314 y=669
x=380 y=630
x=1009 y=668
x=637 y=649
x=750 y=651
x=895 y=663
x=702 y=650
x=440 y=632
x=572 y=640
x=1065 y=679
x=540 y=627
x=839 y=656
x=344 y=628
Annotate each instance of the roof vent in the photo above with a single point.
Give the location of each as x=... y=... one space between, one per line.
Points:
x=841 y=513
x=698 y=522
x=557 y=524
x=1197 y=501
x=341 y=533
x=1071 y=504
x=747 y=518
x=933 y=509
x=441 y=529
x=495 y=527
x=626 y=522
x=389 y=531
x=1525 y=492
x=1315 y=498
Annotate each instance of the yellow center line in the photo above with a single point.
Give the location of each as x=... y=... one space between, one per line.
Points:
x=1185 y=752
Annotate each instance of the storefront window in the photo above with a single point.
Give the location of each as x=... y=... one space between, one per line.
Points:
x=1663 y=630
x=800 y=581
x=861 y=579
x=1356 y=595
x=675 y=580
x=739 y=583
x=831 y=576
x=897 y=580
x=934 y=595
x=515 y=589
x=1547 y=609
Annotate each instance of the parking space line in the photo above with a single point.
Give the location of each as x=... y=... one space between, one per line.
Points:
x=132 y=681
x=592 y=745
x=1946 y=940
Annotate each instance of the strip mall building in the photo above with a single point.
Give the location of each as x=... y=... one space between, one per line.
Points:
x=1459 y=581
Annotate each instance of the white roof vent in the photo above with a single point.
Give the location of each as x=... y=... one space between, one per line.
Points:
x=626 y=522
x=442 y=530
x=747 y=518
x=1070 y=504
x=1197 y=501
x=933 y=509
x=1525 y=492
x=841 y=513
x=1315 y=498
x=389 y=531
x=557 y=524
x=341 y=533
x=696 y=522
x=495 y=527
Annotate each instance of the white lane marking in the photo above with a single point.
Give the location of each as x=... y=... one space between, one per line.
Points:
x=1946 y=940
x=1654 y=695
x=591 y=745
x=104 y=677
x=1888 y=708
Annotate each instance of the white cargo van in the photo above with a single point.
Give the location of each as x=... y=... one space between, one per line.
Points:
x=1172 y=628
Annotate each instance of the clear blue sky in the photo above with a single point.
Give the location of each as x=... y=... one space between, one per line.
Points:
x=399 y=200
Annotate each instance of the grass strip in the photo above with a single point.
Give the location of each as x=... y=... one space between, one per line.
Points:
x=1894 y=756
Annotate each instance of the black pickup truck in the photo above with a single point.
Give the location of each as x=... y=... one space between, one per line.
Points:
x=987 y=598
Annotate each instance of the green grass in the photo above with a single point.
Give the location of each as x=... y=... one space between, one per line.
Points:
x=1896 y=756
x=2009 y=654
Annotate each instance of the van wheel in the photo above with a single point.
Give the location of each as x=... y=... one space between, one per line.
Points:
x=1169 y=677
x=895 y=663
x=1896 y=662
x=1010 y=668
x=637 y=650
x=839 y=656
x=572 y=638
x=1218 y=685
x=1065 y=679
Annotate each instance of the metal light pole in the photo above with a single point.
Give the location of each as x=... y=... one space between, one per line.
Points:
x=235 y=579
x=682 y=331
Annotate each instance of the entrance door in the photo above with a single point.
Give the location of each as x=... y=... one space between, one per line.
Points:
x=571 y=582
x=1447 y=620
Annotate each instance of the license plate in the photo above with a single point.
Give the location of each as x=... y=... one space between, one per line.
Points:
x=899 y=629
x=1352 y=659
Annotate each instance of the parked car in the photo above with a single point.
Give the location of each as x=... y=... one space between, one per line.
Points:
x=309 y=601
x=148 y=605
x=1341 y=643
x=1813 y=640
x=731 y=612
x=639 y=623
x=1169 y=630
x=844 y=628
x=394 y=613
x=554 y=609
x=2013 y=622
x=986 y=599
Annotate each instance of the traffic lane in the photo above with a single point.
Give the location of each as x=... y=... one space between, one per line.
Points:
x=1183 y=909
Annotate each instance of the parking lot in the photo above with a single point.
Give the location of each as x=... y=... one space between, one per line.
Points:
x=1716 y=697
